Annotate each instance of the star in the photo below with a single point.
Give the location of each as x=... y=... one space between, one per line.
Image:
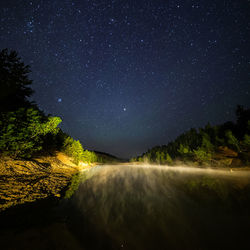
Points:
x=158 y=59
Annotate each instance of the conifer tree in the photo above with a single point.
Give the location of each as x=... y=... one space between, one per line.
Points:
x=14 y=82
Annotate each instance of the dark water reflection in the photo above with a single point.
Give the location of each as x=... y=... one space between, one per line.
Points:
x=130 y=207
x=155 y=208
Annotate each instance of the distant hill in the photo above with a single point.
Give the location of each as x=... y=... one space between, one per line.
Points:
x=225 y=145
x=106 y=158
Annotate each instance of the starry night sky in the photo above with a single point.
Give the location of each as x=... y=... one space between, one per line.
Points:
x=128 y=75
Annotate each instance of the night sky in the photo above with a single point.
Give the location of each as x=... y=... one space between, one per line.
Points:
x=125 y=76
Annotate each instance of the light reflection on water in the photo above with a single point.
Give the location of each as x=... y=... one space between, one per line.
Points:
x=137 y=207
x=159 y=207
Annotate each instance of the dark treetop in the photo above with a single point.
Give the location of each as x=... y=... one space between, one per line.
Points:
x=128 y=75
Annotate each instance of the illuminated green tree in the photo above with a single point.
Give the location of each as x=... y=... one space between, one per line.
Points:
x=22 y=132
x=183 y=149
x=160 y=157
x=89 y=157
x=168 y=159
x=73 y=149
x=202 y=155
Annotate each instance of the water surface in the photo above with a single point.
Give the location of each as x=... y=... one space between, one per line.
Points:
x=144 y=207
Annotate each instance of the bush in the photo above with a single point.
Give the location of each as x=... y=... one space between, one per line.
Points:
x=232 y=140
x=246 y=141
x=22 y=131
x=133 y=159
x=75 y=150
x=89 y=156
x=201 y=155
x=169 y=159
x=183 y=149
x=206 y=142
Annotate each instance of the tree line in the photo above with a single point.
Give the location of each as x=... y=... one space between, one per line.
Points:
x=25 y=131
x=201 y=145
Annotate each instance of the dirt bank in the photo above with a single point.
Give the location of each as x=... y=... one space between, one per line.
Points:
x=24 y=181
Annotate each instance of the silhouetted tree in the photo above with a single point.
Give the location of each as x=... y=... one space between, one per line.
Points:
x=24 y=128
x=243 y=118
x=14 y=82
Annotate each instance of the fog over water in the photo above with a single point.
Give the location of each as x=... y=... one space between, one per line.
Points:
x=160 y=207
x=137 y=207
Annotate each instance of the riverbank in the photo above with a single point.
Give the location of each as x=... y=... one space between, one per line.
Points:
x=24 y=181
x=170 y=207
x=48 y=177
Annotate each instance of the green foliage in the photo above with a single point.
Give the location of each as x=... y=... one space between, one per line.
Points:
x=206 y=143
x=202 y=145
x=23 y=127
x=75 y=150
x=133 y=159
x=184 y=152
x=169 y=159
x=202 y=155
x=183 y=149
x=246 y=141
x=75 y=182
x=232 y=140
x=22 y=131
x=191 y=145
x=89 y=157
x=163 y=158
x=140 y=159
x=204 y=152
x=160 y=157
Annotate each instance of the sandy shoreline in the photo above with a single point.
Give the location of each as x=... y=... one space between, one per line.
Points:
x=23 y=181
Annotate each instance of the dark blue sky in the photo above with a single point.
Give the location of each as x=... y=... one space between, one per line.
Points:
x=128 y=75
